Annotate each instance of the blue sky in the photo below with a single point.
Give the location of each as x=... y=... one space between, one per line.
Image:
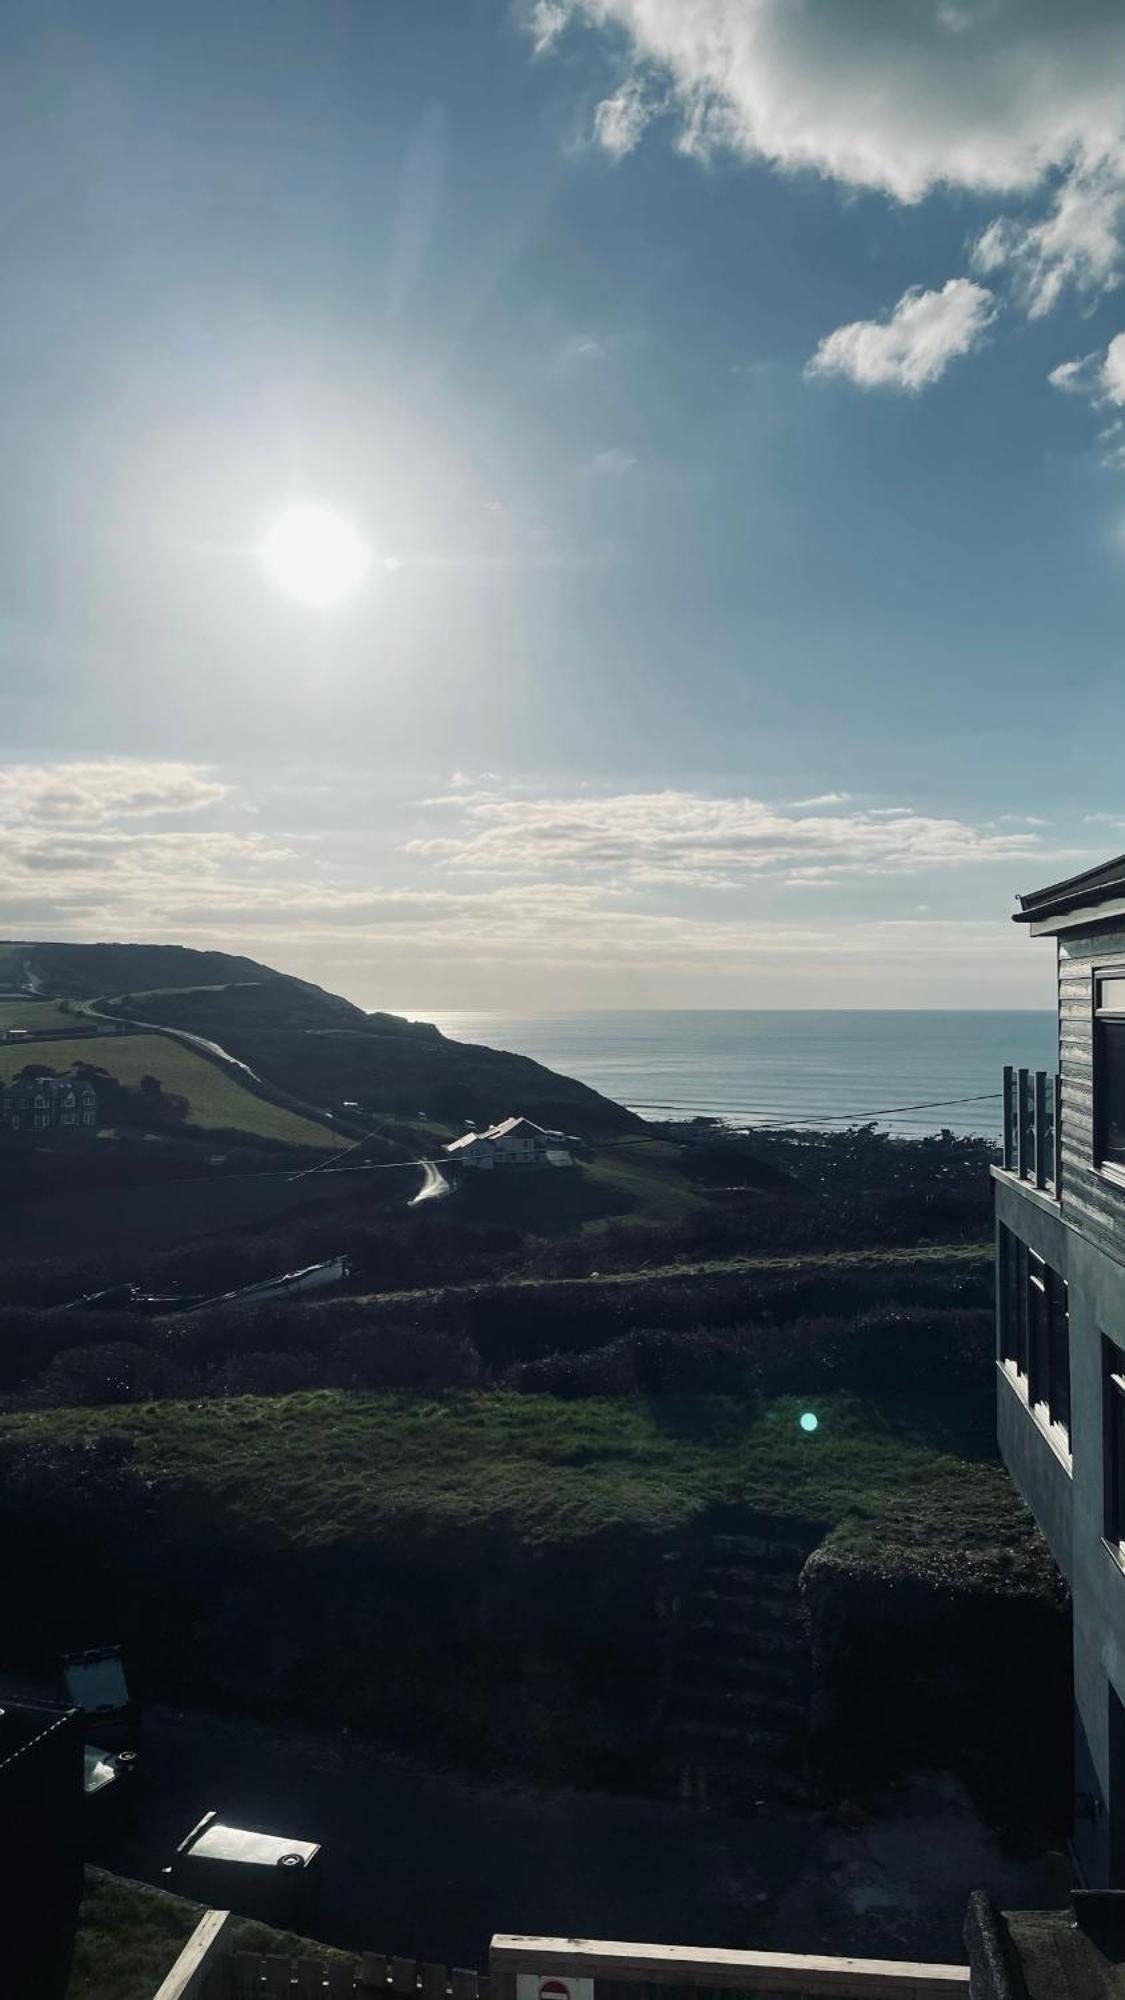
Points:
x=744 y=619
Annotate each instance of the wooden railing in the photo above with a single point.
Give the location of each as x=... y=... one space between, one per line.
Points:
x=521 y=1966
x=1032 y=1126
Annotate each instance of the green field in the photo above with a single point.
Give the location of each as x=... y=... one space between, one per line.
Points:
x=912 y=1481
x=215 y=1100
x=27 y=1012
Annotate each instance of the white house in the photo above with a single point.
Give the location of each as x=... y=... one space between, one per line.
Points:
x=515 y=1142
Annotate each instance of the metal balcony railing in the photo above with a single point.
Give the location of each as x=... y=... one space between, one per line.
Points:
x=1032 y=1126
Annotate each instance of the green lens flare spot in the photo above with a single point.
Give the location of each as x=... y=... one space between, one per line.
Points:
x=809 y=1421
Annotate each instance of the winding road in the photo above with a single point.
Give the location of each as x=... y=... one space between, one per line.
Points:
x=434 y=1183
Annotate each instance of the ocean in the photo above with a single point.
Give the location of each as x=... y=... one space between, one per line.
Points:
x=911 y=1072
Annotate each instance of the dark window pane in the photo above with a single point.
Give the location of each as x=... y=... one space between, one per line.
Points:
x=1111 y=1090
x=1058 y=1385
x=1037 y=1359
x=1020 y=1355
x=1117 y=1483
x=1009 y=1295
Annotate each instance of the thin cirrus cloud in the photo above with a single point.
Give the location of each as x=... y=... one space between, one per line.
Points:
x=904 y=100
x=915 y=344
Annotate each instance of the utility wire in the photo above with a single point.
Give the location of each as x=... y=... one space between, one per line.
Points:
x=834 y=1117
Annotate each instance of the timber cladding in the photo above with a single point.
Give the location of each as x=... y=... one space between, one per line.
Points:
x=1090 y=1200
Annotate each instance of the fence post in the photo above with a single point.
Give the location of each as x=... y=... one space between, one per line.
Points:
x=207 y=1946
x=1009 y=1087
x=1040 y=1128
x=1023 y=1135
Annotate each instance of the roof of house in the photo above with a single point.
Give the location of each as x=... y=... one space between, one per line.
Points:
x=1103 y=884
x=503 y=1130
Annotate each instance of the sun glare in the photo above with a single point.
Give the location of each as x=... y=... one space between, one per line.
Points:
x=314 y=555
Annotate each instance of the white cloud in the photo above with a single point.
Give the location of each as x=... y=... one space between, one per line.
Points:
x=823 y=799
x=647 y=839
x=915 y=345
x=1100 y=378
x=1076 y=244
x=546 y=20
x=987 y=94
x=620 y=120
x=1007 y=97
x=87 y=793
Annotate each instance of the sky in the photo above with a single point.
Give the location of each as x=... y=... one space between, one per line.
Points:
x=728 y=399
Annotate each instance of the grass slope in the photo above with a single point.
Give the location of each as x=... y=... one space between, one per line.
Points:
x=312 y=1043
x=323 y=1469
x=215 y=1100
x=130 y=1936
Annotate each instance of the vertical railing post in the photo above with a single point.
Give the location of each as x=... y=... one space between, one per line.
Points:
x=1040 y=1128
x=1056 y=1162
x=1009 y=1105
x=1023 y=1135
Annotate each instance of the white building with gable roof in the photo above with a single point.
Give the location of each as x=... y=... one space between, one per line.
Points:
x=515 y=1142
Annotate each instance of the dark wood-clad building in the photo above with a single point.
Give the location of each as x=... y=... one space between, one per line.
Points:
x=1060 y=1255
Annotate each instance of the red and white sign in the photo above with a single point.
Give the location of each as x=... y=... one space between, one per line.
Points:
x=552 y=1986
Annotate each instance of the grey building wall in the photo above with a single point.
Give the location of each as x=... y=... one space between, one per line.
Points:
x=1090 y=1200
x=1070 y=1507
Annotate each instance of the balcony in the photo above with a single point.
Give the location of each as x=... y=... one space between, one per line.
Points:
x=1031 y=1127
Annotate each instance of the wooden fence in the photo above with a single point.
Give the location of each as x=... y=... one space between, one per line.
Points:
x=246 y=1976
x=208 y=1969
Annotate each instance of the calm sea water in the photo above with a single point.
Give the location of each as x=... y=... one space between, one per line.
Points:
x=905 y=1070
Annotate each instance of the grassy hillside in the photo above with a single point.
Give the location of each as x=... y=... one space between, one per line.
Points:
x=312 y=1044
x=215 y=1100
x=324 y=1470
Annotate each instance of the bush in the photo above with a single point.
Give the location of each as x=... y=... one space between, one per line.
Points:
x=903 y=1350
x=115 y=1371
x=399 y=1357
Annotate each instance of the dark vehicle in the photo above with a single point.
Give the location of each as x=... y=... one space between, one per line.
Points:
x=266 y=1875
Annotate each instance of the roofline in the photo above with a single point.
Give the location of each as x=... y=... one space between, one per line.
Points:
x=1102 y=884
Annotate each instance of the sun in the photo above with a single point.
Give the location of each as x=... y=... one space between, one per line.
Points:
x=314 y=555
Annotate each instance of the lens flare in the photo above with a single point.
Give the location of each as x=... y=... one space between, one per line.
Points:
x=809 y=1421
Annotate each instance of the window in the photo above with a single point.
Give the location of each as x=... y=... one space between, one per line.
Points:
x=1013 y=1317
x=1113 y=1393
x=1058 y=1351
x=1109 y=1070
x=1035 y=1330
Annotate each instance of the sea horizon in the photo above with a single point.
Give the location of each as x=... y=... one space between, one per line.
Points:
x=921 y=1070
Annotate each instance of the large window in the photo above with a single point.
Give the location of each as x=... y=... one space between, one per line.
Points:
x=1113 y=1394
x=1035 y=1330
x=1109 y=1068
